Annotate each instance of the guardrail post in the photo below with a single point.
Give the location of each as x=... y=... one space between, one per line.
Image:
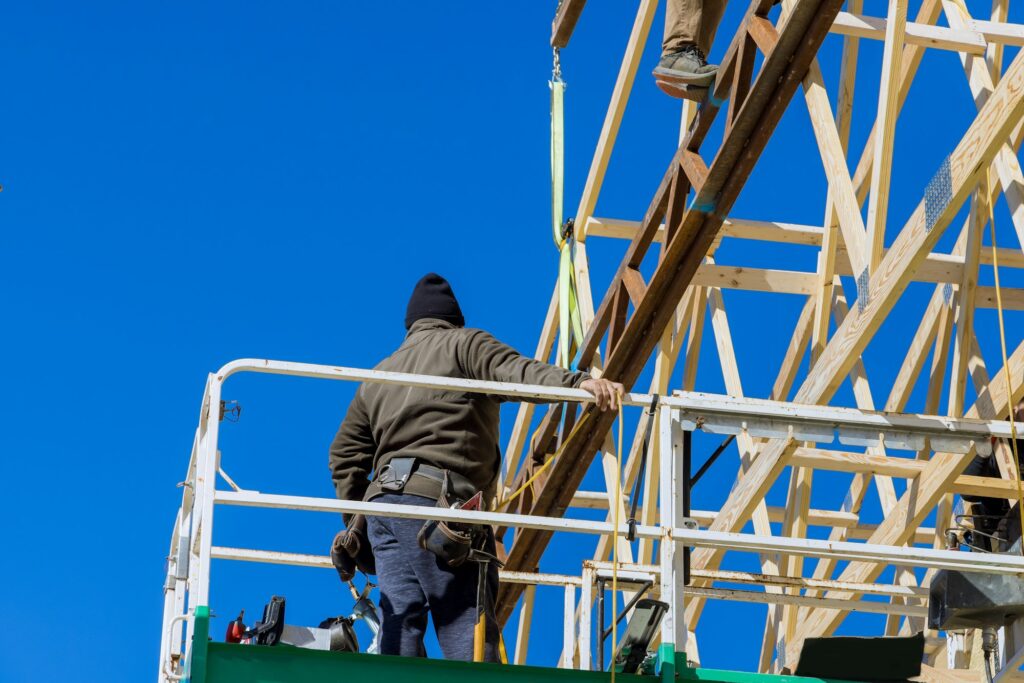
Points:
x=586 y=625
x=671 y=509
x=205 y=487
x=569 y=627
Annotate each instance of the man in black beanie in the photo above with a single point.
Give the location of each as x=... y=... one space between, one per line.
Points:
x=424 y=444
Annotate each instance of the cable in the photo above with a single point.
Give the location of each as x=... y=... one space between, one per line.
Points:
x=1006 y=363
x=711 y=460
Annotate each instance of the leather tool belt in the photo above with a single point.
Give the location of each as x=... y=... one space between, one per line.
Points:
x=400 y=472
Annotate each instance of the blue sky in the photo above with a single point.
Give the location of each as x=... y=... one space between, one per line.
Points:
x=189 y=183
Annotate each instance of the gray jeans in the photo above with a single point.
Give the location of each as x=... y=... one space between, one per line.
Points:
x=414 y=582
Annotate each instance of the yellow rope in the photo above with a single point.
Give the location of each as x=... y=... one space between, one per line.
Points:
x=519 y=491
x=1006 y=363
x=502 y=652
x=615 y=543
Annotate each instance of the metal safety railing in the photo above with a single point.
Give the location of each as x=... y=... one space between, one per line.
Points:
x=192 y=550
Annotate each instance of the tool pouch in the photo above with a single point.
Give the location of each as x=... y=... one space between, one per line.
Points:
x=351 y=550
x=448 y=540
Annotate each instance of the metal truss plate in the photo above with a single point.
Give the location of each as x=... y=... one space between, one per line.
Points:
x=937 y=195
x=863 y=289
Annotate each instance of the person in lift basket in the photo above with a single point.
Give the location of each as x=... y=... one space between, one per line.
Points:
x=432 y=447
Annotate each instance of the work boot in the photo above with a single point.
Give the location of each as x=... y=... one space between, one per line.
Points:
x=687 y=66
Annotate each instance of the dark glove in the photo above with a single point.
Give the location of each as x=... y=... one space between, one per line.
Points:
x=351 y=551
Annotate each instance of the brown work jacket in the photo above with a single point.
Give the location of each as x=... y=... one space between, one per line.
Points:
x=452 y=430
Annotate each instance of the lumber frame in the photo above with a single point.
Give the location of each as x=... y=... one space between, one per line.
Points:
x=803 y=30
x=922 y=231
x=663 y=315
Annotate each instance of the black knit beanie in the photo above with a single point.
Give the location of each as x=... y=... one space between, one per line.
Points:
x=433 y=298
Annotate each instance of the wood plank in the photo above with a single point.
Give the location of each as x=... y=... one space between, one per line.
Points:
x=784 y=380
x=964 y=314
x=740 y=228
x=937 y=267
x=613 y=117
x=1000 y=33
x=755 y=279
x=833 y=158
x=763 y=32
x=923 y=35
x=565 y=21
x=912 y=55
x=742 y=74
x=885 y=125
x=694 y=168
x=635 y=285
x=1013 y=298
x=994 y=52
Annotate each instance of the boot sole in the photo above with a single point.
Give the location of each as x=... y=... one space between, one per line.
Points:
x=683 y=92
x=684 y=79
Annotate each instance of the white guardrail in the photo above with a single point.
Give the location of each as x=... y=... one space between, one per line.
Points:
x=191 y=548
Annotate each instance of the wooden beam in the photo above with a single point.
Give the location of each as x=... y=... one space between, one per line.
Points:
x=1000 y=33
x=964 y=295
x=939 y=474
x=565 y=21
x=755 y=279
x=784 y=380
x=787 y=233
x=613 y=117
x=906 y=468
x=994 y=52
x=885 y=125
x=912 y=54
x=833 y=157
x=1013 y=298
x=958 y=174
x=936 y=268
x=923 y=35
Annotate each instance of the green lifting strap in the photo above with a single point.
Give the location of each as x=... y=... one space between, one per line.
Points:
x=570 y=325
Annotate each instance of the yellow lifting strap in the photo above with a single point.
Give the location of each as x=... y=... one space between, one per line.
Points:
x=570 y=324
